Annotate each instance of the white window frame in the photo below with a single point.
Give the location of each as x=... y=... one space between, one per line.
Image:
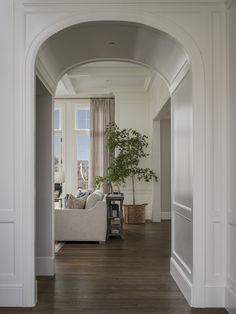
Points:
x=77 y=108
x=82 y=105
x=61 y=133
x=69 y=139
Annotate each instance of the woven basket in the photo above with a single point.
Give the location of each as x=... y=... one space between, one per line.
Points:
x=134 y=214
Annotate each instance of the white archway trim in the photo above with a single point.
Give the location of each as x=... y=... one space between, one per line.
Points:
x=25 y=89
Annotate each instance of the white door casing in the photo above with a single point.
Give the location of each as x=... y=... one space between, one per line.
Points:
x=198 y=280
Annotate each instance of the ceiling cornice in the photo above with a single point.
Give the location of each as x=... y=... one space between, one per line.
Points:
x=68 y=85
x=123 y=2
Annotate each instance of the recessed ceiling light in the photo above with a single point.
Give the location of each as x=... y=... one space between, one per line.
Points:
x=111 y=43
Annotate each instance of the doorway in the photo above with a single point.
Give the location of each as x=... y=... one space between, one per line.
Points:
x=45 y=53
x=44 y=245
x=161 y=146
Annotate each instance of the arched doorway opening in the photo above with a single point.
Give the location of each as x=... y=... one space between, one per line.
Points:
x=173 y=78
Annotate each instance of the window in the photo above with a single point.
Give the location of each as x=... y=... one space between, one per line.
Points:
x=57 y=119
x=82 y=119
x=57 y=139
x=82 y=125
x=57 y=152
x=72 y=143
x=82 y=143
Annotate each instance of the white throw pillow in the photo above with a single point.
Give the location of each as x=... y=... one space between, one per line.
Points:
x=92 y=200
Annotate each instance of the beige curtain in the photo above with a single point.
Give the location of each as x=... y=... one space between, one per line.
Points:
x=102 y=112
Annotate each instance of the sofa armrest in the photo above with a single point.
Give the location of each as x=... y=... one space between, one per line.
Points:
x=81 y=224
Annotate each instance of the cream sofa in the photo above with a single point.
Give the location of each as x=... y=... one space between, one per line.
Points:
x=82 y=224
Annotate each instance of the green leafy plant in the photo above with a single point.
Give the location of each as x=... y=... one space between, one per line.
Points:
x=127 y=147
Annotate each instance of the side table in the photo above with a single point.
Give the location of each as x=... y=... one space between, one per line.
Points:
x=115 y=215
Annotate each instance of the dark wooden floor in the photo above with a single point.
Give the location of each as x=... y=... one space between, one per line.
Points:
x=130 y=276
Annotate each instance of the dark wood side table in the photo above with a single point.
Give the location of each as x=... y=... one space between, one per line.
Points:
x=115 y=215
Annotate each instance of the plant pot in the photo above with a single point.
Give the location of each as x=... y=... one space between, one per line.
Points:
x=134 y=214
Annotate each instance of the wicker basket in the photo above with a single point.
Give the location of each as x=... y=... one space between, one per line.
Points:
x=134 y=214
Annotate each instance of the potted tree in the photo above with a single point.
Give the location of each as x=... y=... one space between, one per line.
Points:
x=127 y=146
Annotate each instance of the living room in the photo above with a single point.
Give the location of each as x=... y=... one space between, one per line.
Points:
x=133 y=91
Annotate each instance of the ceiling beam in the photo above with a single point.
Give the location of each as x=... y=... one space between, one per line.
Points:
x=105 y=71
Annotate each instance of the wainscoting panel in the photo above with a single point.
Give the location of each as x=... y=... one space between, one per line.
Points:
x=232 y=256
x=182 y=187
x=182 y=246
x=7 y=267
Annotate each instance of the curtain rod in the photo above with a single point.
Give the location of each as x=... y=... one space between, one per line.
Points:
x=64 y=98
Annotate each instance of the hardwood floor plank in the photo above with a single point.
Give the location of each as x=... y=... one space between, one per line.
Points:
x=121 y=277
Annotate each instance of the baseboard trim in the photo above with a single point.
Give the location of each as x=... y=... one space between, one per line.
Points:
x=214 y=296
x=165 y=215
x=181 y=280
x=11 y=295
x=230 y=301
x=45 y=266
x=148 y=214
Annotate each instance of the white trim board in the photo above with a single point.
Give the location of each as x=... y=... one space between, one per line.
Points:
x=166 y=215
x=230 y=300
x=11 y=295
x=35 y=32
x=215 y=296
x=45 y=266
x=181 y=280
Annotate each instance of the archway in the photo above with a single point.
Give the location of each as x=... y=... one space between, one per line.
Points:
x=195 y=291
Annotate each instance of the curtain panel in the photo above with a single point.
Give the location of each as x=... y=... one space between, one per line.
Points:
x=102 y=112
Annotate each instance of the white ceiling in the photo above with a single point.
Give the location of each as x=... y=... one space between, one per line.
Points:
x=110 y=41
x=105 y=77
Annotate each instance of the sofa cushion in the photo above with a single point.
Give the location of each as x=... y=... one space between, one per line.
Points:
x=76 y=202
x=93 y=199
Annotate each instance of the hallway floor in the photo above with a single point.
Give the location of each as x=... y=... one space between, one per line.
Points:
x=130 y=276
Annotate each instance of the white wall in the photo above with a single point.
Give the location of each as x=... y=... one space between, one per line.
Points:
x=132 y=111
x=231 y=217
x=165 y=174
x=182 y=184
x=159 y=95
x=44 y=182
x=11 y=192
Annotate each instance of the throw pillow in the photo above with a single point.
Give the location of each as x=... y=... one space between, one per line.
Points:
x=92 y=200
x=83 y=192
x=76 y=202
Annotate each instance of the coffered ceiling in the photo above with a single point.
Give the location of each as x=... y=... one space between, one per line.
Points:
x=104 y=78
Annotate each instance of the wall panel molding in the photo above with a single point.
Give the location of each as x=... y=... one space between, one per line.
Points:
x=11 y=295
x=215 y=296
x=181 y=263
x=230 y=299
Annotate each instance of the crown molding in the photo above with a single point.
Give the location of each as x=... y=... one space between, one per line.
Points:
x=142 y=2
